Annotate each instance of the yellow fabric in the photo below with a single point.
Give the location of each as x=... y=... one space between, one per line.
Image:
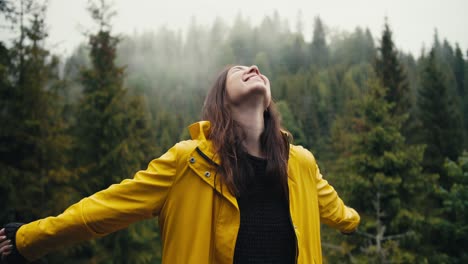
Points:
x=199 y=218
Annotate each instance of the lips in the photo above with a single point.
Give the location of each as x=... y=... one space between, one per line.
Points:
x=253 y=76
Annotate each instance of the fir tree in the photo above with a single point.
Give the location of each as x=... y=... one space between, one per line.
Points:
x=440 y=119
x=459 y=71
x=33 y=156
x=447 y=230
x=114 y=140
x=295 y=54
x=7 y=176
x=454 y=216
x=391 y=73
x=386 y=173
x=462 y=96
x=318 y=47
x=290 y=123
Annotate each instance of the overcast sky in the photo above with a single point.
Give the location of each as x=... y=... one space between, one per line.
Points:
x=412 y=21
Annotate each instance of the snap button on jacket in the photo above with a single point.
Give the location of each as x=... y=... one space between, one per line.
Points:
x=199 y=218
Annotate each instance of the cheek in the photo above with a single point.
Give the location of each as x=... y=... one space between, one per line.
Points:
x=234 y=86
x=232 y=91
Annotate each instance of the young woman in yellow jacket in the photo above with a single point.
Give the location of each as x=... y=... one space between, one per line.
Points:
x=237 y=192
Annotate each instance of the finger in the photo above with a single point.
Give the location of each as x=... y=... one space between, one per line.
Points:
x=6 y=254
x=8 y=251
x=4 y=244
x=2 y=232
x=2 y=238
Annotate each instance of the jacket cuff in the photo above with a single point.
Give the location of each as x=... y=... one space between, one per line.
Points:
x=14 y=257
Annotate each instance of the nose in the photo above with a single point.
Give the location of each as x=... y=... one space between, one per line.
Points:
x=254 y=68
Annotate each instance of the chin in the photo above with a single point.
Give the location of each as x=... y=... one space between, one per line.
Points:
x=259 y=86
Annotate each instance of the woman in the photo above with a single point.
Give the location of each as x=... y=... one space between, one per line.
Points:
x=237 y=192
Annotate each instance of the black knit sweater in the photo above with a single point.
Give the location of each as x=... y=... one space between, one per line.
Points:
x=266 y=234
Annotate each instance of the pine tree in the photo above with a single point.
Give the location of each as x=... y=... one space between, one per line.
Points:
x=357 y=48
x=453 y=221
x=319 y=52
x=302 y=89
x=7 y=177
x=290 y=123
x=440 y=119
x=114 y=140
x=459 y=71
x=33 y=156
x=462 y=95
x=465 y=101
x=386 y=174
x=391 y=73
x=295 y=54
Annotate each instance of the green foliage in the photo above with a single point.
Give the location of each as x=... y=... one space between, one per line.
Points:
x=290 y=123
x=386 y=173
x=318 y=47
x=455 y=207
x=391 y=73
x=114 y=138
x=353 y=48
x=440 y=119
x=295 y=54
x=447 y=226
x=460 y=71
x=33 y=168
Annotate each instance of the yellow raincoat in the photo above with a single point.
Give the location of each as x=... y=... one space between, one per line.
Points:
x=199 y=218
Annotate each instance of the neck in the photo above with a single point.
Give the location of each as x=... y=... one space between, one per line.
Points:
x=252 y=122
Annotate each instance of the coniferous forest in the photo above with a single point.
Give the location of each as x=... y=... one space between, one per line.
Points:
x=389 y=129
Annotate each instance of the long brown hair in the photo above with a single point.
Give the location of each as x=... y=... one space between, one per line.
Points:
x=227 y=136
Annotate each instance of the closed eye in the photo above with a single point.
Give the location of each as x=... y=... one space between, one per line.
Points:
x=236 y=69
x=240 y=68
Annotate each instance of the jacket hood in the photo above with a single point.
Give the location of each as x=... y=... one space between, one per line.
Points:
x=200 y=130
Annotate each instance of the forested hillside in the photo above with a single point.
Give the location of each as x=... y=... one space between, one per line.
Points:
x=389 y=129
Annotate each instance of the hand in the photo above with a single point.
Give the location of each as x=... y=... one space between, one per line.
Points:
x=5 y=244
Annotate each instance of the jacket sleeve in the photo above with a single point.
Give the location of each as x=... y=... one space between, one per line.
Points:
x=333 y=211
x=104 y=212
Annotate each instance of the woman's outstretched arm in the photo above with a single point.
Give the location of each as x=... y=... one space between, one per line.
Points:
x=102 y=213
x=333 y=211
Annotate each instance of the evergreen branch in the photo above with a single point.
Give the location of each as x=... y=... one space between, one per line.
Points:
x=398 y=236
x=365 y=234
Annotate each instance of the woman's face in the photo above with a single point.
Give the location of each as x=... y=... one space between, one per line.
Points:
x=246 y=85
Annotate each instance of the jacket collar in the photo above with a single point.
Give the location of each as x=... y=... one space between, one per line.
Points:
x=200 y=131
